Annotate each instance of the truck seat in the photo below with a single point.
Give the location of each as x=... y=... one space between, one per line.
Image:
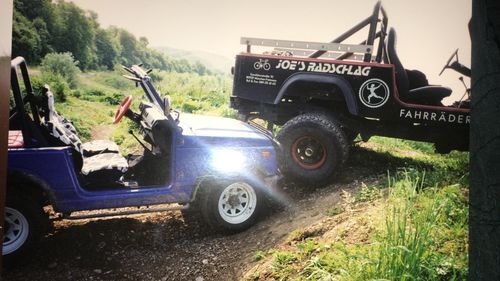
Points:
x=412 y=85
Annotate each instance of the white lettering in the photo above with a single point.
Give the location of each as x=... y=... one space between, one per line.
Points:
x=442 y=117
x=401 y=112
x=434 y=116
x=338 y=69
x=302 y=65
x=323 y=67
x=311 y=66
x=366 y=71
x=349 y=70
x=279 y=64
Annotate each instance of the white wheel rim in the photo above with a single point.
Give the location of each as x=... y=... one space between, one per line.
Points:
x=16 y=230
x=237 y=203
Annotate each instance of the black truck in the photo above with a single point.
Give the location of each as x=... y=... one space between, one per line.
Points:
x=326 y=94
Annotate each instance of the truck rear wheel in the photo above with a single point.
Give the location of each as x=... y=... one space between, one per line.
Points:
x=314 y=148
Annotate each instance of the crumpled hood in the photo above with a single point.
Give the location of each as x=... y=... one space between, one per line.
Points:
x=222 y=131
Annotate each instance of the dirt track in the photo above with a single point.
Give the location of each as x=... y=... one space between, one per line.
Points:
x=161 y=246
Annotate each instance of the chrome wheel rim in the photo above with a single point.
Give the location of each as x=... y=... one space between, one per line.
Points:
x=16 y=230
x=237 y=203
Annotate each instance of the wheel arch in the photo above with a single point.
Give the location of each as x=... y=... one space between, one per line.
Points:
x=334 y=80
x=30 y=184
x=252 y=176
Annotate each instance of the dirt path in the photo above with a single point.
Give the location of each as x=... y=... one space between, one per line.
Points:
x=102 y=132
x=162 y=246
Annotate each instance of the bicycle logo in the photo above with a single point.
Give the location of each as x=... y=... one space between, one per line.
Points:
x=262 y=63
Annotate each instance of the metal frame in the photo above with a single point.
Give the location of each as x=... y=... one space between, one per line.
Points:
x=249 y=41
x=365 y=47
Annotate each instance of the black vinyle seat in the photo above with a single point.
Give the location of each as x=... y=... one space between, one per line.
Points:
x=100 y=159
x=412 y=85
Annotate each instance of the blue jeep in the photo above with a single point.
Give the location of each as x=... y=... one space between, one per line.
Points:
x=221 y=168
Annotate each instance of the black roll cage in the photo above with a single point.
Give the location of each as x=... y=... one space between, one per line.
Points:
x=30 y=135
x=379 y=15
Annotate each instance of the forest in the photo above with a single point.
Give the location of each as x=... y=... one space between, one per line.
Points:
x=42 y=27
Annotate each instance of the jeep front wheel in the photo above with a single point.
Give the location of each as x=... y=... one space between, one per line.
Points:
x=231 y=206
x=314 y=148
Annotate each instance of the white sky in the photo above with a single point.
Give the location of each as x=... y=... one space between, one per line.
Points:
x=428 y=31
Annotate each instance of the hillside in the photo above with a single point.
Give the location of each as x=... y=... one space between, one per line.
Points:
x=211 y=60
x=410 y=224
x=397 y=212
x=338 y=232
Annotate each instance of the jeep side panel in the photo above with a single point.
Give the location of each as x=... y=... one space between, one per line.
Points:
x=367 y=88
x=54 y=167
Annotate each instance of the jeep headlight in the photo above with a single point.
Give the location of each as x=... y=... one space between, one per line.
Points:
x=228 y=160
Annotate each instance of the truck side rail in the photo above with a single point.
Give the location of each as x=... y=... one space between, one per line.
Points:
x=365 y=48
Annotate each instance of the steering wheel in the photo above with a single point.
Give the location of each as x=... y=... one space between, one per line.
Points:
x=122 y=109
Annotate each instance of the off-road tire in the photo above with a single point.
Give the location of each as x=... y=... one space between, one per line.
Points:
x=210 y=205
x=318 y=135
x=350 y=135
x=25 y=213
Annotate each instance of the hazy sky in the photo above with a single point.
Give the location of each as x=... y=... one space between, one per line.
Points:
x=428 y=31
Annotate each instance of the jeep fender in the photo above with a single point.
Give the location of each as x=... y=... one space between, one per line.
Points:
x=34 y=182
x=334 y=80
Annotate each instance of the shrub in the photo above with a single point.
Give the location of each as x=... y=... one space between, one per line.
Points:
x=57 y=84
x=62 y=64
x=114 y=99
x=190 y=106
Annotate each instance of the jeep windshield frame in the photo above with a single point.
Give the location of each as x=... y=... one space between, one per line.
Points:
x=142 y=78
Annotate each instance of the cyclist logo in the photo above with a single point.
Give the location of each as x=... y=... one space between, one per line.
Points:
x=262 y=63
x=374 y=93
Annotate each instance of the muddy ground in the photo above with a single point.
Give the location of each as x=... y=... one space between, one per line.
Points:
x=162 y=246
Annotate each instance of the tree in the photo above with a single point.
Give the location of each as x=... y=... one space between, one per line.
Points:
x=484 y=204
x=77 y=34
x=25 y=40
x=129 y=54
x=31 y=9
x=107 y=49
x=42 y=31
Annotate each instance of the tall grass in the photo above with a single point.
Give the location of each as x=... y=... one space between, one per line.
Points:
x=421 y=236
x=407 y=240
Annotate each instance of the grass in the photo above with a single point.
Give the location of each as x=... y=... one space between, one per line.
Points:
x=410 y=226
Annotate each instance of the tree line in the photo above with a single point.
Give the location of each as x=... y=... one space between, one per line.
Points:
x=41 y=27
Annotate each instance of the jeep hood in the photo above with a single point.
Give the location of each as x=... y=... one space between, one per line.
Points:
x=220 y=131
